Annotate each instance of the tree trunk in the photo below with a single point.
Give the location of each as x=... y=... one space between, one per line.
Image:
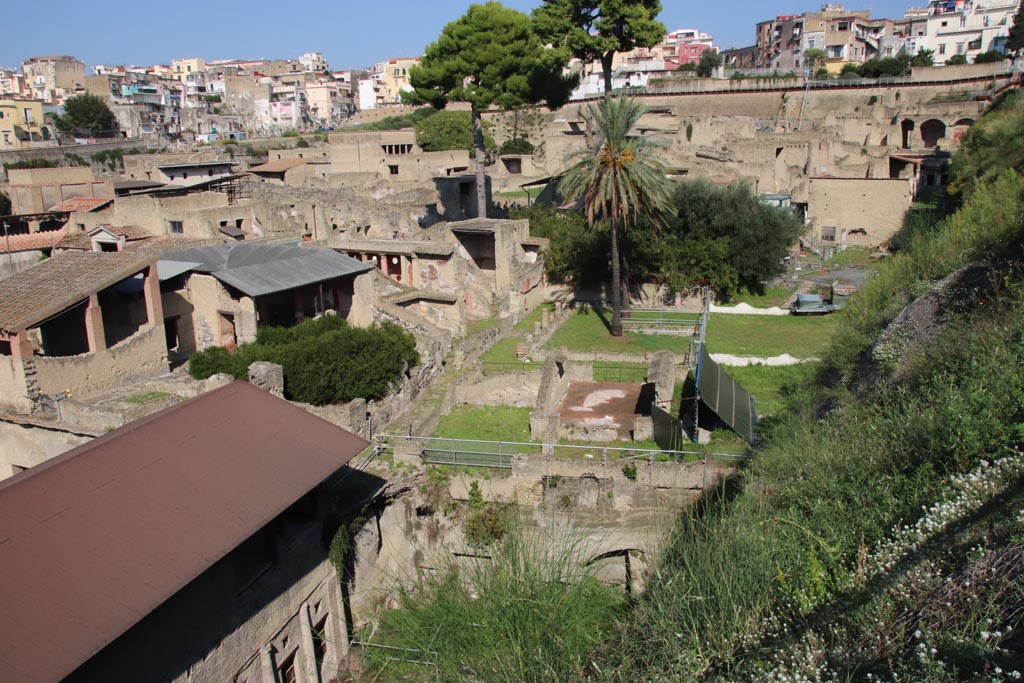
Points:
x=481 y=180
x=627 y=304
x=606 y=67
x=616 y=282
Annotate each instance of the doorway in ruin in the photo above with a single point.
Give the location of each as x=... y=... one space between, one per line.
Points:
x=907 y=128
x=932 y=131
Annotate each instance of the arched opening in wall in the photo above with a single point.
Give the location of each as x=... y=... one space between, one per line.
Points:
x=932 y=131
x=961 y=127
x=907 y=127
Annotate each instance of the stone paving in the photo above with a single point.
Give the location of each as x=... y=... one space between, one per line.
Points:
x=602 y=404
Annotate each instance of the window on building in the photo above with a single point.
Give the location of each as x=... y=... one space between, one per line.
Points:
x=393 y=169
x=320 y=644
x=959 y=48
x=177 y=227
x=942 y=48
x=287 y=670
x=828 y=234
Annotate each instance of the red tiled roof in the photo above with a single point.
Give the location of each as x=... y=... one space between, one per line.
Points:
x=97 y=538
x=32 y=241
x=33 y=295
x=81 y=204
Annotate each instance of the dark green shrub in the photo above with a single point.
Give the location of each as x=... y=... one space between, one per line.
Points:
x=211 y=361
x=32 y=163
x=629 y=471
x=516 y=146
x=324 y=360
x=302 y=143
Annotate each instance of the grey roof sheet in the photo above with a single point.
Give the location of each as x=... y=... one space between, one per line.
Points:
x=165 y=270
x=260 y=269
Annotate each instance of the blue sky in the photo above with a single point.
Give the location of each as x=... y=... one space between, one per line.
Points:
x=350 y=34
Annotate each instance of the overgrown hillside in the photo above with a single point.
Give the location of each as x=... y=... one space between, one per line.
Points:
x=879 y=532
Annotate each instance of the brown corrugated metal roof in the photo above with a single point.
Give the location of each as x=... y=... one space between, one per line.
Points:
x=277 y=166
x=81 y=204
x=33 y=295
x=95 y=539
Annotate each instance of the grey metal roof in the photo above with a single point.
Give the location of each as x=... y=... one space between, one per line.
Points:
x=166 y=270
x=260 y=269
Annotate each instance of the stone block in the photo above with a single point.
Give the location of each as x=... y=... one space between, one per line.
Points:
x=217 y=381
x=544 y=425
x=643 y=428
x=267 y=376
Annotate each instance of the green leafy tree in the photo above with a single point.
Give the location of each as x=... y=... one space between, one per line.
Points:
x=925 y=57
x=5 y=205
x=956 y=60
x=989 y=57
x=1015 y=40
x=576 y=255
x=618 y=181
x=448 y=130
x=726 y=238
x=86 y=113
x=489 y=57
x=597 y=29
x=521 y=123
x=709 y=61
x=814 y=57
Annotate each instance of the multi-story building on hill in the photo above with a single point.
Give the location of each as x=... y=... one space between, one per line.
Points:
x=53 y=79
x=968 y=27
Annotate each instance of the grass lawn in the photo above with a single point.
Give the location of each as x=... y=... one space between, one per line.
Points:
x=478 y=326
x=853 y=256
x=766 y=383
x=586 y=331
x=499 y=423
x=773 y=296
x=770 y=335
x=504 y=350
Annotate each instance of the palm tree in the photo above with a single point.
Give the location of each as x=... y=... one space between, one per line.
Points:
x=617 y=180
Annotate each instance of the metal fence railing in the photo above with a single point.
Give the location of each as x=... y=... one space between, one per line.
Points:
x=660 y=321
x=463 y=452
x=604 y=372
x=499 y=454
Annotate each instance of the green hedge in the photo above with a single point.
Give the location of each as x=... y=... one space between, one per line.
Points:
x=325 y=360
